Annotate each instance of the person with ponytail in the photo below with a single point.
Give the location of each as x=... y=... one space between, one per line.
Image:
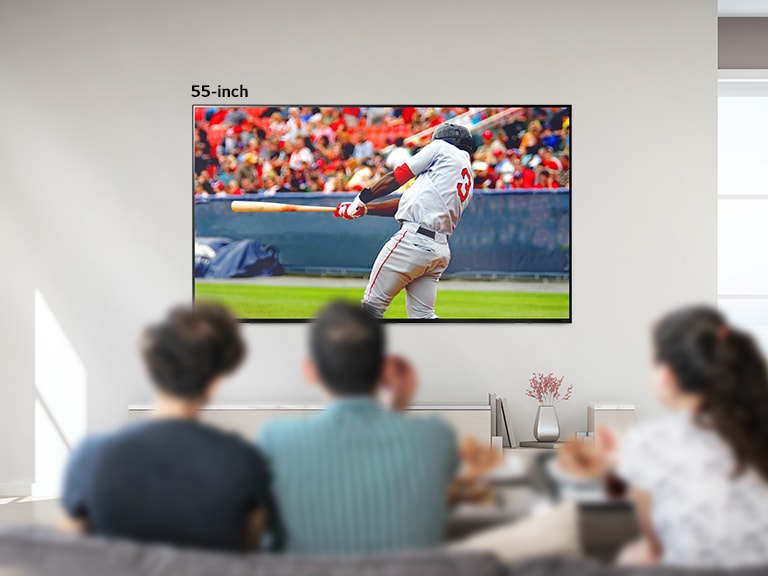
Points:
x=699 y=476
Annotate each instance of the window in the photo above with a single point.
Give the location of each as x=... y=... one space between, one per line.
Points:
x=743 y=199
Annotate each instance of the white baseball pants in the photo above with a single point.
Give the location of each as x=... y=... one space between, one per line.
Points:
x=412 y=261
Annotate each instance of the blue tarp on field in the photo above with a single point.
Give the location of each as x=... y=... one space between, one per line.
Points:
x=226 y=258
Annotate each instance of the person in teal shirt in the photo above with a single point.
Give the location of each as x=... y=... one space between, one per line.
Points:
x=358 y=477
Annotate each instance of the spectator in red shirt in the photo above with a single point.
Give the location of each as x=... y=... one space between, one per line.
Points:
x=334 y=158
x=337 y=122
x=407 y=114
x=497 y=157
x=351 y=116
x=234 y=189
x=273 y=136
x=517 y=181
x=415 y=124
x=433 y=118
x=529 y=177
x=545 y=180
x=548 y=159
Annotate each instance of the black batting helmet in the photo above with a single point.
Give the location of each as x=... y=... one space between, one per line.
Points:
x=457 y=135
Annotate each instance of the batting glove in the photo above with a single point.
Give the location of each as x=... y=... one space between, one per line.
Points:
x=351 y=210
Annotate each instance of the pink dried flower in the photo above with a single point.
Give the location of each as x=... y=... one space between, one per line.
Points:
x=546 y=389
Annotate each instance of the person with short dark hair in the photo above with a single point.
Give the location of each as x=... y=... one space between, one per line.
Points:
x=359 y=477
x=347 y=347
x=172 y=479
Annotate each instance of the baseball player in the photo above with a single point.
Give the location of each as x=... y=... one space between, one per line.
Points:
x=428 y=211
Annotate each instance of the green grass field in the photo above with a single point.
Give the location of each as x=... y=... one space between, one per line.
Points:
x=301 y=302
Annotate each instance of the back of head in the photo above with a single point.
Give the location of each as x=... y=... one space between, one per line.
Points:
x=725 y=368
x=347 y=347
x=191 y=347
x=457 y=135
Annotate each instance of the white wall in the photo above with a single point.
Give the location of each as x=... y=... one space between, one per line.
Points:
x=95 y=141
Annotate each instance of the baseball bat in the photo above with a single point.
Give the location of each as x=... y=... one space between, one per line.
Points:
x=247 y=206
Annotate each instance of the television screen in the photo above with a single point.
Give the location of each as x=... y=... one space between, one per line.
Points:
x=418 y=213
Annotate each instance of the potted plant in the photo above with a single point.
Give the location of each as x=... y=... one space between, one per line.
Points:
x=546 y=390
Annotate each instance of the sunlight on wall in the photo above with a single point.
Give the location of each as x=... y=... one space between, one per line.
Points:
x=60 y=400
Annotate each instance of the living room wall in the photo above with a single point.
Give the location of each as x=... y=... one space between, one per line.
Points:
x=96 y=117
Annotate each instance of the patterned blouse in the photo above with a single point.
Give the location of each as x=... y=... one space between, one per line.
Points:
x=703 y=515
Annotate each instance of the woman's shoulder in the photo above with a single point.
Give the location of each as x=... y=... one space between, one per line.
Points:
x=668 y=430
x=648 y=449
x=662 y=443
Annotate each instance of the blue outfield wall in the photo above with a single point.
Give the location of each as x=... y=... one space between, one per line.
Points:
x=503 y=233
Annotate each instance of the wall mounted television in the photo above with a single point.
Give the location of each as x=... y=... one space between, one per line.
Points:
x=420 y=213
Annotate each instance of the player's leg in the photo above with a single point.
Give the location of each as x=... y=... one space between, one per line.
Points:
x=420 y=297
x=394 y=268
x=421 y=294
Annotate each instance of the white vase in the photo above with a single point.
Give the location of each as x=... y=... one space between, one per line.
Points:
x=546 y=428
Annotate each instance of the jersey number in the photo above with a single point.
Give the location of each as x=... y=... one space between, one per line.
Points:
x=466 y=184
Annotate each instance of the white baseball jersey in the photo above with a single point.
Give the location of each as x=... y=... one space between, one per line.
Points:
x=442 y=189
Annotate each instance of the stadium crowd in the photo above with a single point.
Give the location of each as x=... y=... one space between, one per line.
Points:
x=304 y=149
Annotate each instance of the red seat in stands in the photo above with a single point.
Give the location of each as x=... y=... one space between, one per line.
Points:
x=216 y=135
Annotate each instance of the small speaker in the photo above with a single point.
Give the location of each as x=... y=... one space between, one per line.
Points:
x=618 y=417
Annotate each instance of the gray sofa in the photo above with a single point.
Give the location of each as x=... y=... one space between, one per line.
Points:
x=26 y=551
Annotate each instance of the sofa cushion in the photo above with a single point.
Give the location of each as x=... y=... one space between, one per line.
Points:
x=569 y=566
x=666 y=571
x=34 y=551
x=560 y=566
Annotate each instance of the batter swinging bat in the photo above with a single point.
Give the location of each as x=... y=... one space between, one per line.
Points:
x=246 y=206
